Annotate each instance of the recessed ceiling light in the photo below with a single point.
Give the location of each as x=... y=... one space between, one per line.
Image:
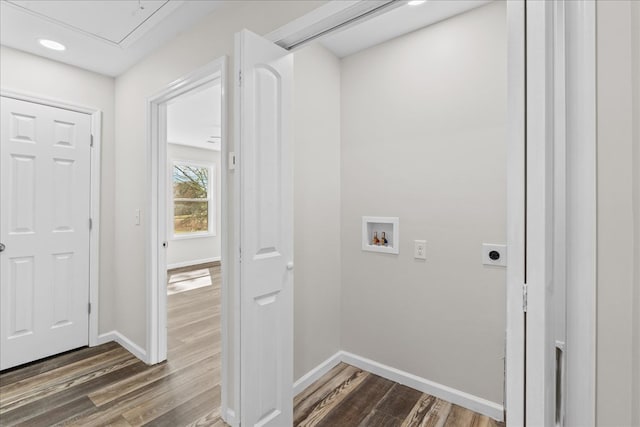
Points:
x=53 y=45
x=416 y=2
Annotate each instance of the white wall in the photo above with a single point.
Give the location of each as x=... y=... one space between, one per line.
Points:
x=209 y=40
x=616 y=259
x=191 y=250
x=316 y=207
x=23 y=72
x=194 y=118
x=424 y=138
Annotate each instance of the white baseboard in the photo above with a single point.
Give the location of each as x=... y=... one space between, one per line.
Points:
x=461 y=398
x=192 y=262
x=125 y=342
x=316 y=373
x=229 y=417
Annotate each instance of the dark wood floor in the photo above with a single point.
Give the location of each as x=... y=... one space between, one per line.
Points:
x=106 y=385
x=347 y=396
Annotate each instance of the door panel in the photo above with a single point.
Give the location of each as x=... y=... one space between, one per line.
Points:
x=62 y=195
x=20 y=298
x=62 y=279
x=44 y=223
x=21 y=198
x=265 y=96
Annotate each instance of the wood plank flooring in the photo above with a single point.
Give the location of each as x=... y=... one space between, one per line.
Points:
x=106 y=385
x=194 y=277
x=347 y=396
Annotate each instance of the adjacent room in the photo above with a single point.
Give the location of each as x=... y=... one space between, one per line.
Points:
x=193 y=256
x=400 y=180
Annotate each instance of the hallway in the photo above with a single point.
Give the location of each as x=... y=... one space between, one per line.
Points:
x=108 y=385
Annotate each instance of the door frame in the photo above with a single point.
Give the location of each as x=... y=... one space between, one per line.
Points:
x=95 y=163
x=562 y=211
x=157 y=205
x=514 y=393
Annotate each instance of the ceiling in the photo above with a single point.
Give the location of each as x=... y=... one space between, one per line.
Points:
x=105 y=36
x=195 y=118
x=394 y=23
x=109 y=36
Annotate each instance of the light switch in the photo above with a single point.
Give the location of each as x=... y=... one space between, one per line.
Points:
x=420 y=249
x=137 y=218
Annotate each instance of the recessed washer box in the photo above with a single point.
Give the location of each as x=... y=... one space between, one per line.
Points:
x=494 y=254
x=381 y=234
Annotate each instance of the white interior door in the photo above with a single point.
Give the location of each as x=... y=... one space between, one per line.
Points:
x=44 y=227
x=266 y=231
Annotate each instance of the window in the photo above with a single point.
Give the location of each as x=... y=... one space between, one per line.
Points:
x=193 y=204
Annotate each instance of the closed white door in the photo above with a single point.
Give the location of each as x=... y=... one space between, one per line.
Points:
x=44 y=227
x=266 y=229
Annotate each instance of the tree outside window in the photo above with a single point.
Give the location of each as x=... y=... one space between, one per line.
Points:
x=191 y=199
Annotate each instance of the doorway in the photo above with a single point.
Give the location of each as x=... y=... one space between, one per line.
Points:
x=420 y=149
x=187 y=233
x=193 y=252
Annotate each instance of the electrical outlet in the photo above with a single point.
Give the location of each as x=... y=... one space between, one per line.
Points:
x=420 y=249
x=494 y=254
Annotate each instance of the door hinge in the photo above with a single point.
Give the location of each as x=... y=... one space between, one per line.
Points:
x=240 y=78
x=90 y=224
x=525 y=297
x=89 y=308
x=91 y=143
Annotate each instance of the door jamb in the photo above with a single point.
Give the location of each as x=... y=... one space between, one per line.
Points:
x=94 y=209
x=514 y=396
x=561 y=114
x=157 y=207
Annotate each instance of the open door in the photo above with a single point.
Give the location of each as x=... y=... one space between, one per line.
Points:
x=264 y=92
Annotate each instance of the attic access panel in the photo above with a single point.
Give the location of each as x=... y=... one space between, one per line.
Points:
x=115 y=22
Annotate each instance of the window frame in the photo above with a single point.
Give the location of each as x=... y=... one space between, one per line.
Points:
x=211 y=201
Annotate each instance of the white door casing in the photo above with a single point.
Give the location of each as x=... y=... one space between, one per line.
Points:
x=515 y=340
x=540 y=337
x=264 y=88
x=44 y=225
x=561 y=213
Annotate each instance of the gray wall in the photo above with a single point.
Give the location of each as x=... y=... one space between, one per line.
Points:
x=195 y=249
x=210 y=39
x=316 y=207
x=424 y=139
x=618 y=115
x=36 y=75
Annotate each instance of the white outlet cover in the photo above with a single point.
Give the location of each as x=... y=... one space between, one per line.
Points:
x=487 y=248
